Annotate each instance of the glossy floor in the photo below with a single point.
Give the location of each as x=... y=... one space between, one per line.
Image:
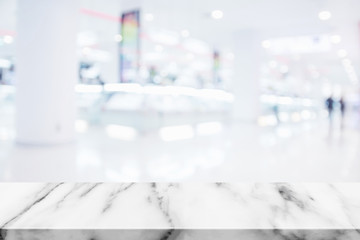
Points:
x=209 y=152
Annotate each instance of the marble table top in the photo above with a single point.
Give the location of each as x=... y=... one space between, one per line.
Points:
x=180 y=206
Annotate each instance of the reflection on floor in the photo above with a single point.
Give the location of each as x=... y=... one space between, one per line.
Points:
x=210 y=152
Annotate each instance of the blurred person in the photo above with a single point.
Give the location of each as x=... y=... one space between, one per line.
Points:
x=100 y=81
x=330 y=106
x=1 y=76
x=275 y=109
x=152 y=74
x=342 y=110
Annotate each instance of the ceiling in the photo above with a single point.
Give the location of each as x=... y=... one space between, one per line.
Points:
x=271 y=18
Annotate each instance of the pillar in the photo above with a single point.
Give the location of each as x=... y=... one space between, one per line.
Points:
x=46 y=68
x=246 y=87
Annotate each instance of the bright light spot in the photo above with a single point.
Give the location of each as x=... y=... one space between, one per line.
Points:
x=84 y=88
x=350 y=70
x=209 y=128
x=217 y=14
x=124 y=133
x=185 y=33
x=342 y=53
x=86 y=51
x=306 y=114
x=123 y=87
x=266 y=44
x=118 y=38
x=324 y=15
x=269 y=120
x=335 y=39
x=284 y=116
x=81 y=126
x=8 y=39
x=296 y=117
x=149 y=17
x=175 y=133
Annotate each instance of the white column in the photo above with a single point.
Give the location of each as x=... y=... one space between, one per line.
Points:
x=247 y=50
x=46 y=66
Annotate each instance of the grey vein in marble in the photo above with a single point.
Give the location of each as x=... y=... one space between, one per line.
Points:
x=272 y=206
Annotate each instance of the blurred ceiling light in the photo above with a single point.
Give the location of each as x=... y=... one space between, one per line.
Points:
x=269 y=120
x=266 y=44
x=8 y=39
x=324 y=15
x=209 y=128
x=217 y=14
x=149 y=17
x=185 y=33
x=175 y=133
x=342 y=53
x=335 y=39
x=118 y=38
x=120 y=132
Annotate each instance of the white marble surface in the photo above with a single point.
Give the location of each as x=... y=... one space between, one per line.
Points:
x=179 y=206
x=142 y=234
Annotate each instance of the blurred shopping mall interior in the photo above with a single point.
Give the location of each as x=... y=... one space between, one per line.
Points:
x=179 y=90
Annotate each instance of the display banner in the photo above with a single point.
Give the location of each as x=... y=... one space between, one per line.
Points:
x=130 y=46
